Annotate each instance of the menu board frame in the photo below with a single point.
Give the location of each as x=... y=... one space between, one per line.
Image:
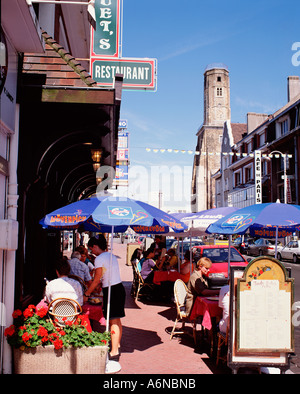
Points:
x=260 y=357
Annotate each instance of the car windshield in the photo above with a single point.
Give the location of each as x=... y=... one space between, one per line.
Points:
x=218 y=255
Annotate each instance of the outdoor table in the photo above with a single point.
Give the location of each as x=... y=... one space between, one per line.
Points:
x=94 y=312
x=171 y=275
x=208 y=308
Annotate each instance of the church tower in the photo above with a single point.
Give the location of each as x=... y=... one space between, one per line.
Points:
x=216 y=113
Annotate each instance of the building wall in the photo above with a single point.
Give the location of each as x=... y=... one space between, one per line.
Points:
x=8 y=198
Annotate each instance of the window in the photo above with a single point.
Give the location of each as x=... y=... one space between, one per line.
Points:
x=219 y=92
x=248 y=174
x=219 y=79
x=282 y=127
x=237 y=178
x=264 y=168
x=261 y=139
x=249 y=147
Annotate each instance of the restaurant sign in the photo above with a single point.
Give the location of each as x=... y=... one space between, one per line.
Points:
x=138 y=74
x=258 y=181
x=106 y=36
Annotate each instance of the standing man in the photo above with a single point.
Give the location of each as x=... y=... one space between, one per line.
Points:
x=106 y=273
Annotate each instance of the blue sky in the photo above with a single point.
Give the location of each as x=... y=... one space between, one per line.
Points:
x=253 y=38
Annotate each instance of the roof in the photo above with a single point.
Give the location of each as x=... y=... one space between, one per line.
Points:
x=238 y=129
x=213 y=66
x=59 y=67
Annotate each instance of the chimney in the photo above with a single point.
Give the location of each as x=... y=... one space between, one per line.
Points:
x=254 y=120
x=293 y=87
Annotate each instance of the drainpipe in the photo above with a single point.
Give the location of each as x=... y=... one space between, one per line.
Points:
x=10 y=264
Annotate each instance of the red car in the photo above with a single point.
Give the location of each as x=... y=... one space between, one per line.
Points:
x=218 y=254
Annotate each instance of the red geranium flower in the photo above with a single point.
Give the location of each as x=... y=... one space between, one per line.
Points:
x=9 y=331
x=26 y=336
x=42 y=332
x=28 y=313
x=58 y=344
x=42 y=312
x=17 y=313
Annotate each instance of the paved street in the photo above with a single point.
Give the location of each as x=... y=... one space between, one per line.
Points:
x=146 y=345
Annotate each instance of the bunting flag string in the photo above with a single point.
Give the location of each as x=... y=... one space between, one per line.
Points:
x=193 y=152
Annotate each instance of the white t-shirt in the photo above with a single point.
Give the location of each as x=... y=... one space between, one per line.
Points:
x=64 y=288
x=103 y=261
x=224 y=299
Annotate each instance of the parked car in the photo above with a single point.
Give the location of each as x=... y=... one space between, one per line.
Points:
x=263 y=247
x=291 y=251
x=185 y=245
x=242 y=244
x=218 y=254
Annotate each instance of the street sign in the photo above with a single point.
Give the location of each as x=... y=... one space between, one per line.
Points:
x=138 y=74
x=106 y=37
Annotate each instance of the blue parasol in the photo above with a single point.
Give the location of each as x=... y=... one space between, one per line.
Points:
x=100 y=214
x=112 y=214
x=268 y=216
x=269 y=219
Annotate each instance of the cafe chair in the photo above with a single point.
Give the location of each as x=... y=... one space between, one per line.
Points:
x=222 y=341
x=180 y=291
x=135 y=280
x=141 y=284
x=61 y=310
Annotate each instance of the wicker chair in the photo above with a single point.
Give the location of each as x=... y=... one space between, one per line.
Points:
x=180 y=291
x=140 y=282
x=62 y=310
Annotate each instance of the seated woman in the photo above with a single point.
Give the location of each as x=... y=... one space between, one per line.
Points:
x=173 y=259
x=197 y=285
x=136 y=256
x=149 y=264
x=185 y=264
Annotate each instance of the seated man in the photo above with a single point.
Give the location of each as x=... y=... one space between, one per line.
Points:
x=79 y=268
x=86 y=258
x=63 y=287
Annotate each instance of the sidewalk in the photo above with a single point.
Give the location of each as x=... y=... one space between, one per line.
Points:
x=146 y=347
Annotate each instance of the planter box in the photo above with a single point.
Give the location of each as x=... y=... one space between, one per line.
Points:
x=47 y=360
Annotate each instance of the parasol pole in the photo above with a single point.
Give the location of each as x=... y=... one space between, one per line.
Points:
x=109 y=280
x=191 y=253
x=229 y=250
x=276 y=240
